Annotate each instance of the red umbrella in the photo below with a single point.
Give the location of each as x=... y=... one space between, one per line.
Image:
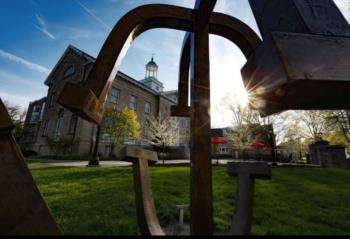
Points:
x=217 y=140
x=258 y=144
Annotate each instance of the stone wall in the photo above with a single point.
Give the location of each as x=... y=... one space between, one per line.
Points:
x=327 y=156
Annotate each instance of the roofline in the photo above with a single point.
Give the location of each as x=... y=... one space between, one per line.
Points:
x=170 y=91
x=35 y=101
x=119 y=73
x=76 y=50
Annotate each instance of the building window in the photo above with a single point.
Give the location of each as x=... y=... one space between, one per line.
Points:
x=114 y=95
x=52 y=98
x=42 y=111
x=73 y=124
x=133 y=102
x=69 y=71
x=147 y=107
x=46 y=128
x=59 y=125
x=36 y=114
x=145 y=132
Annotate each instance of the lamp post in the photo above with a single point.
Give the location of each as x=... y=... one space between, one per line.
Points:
x=95 y=160
x=273 y=144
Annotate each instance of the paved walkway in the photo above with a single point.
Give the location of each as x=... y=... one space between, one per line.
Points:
x=41 y=163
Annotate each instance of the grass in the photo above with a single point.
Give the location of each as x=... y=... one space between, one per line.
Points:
x=100 y=201
x=32 y=161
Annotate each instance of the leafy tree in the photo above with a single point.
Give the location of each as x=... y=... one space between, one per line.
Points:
x=161 y=133
x=295 y=141
x=340 y=121
x=243 y=117
x=119 y=125
x=17 y=115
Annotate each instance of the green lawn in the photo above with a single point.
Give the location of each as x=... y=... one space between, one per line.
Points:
x=93 y=201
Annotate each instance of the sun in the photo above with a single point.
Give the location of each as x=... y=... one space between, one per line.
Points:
x=242 y=97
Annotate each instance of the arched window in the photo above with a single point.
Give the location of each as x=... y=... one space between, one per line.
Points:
x=59 y=126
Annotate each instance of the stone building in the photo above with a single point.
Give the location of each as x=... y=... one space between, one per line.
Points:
x=47 y=120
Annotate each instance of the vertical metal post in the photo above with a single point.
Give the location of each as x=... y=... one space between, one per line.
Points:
x=95 y=160
x=273 y=144
x=201 y=172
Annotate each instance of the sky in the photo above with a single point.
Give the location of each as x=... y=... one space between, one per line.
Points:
x=35 y=33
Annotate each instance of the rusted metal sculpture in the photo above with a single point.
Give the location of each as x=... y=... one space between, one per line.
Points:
x=199 y=22
x=303 y=62
x=22 y=208
x=281 y=73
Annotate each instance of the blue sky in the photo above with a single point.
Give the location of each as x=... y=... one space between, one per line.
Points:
x=35 y=33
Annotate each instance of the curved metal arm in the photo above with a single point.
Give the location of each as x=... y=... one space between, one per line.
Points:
x=86 y=102
x=125 y=32
x=225 y=26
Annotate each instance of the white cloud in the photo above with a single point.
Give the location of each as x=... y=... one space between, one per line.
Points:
x=43 y=27
x=15 y=99
x=91 y=13
x=28 y=64
x=78 y=33
x=10 y=78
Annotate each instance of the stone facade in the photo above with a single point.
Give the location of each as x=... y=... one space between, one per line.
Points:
x=53 y=121
x=321 y=153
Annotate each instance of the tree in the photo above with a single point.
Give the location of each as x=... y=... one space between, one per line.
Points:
x=295 y=141
x=161 y=133
x=17 y=115
x=247 y=127
x=119 y=125
x=314 y=122
x=339 y=120
x=245 y=117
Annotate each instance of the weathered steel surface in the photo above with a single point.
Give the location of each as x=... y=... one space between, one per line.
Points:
x=182 y=109
x=130 y=153
x=246 y=174
x=236 y=31
x=201 y=171
x=82 y=102
x=299 y=16
x=146 y=213
x=257 y=170
x=22 y=208
x=299 y=71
